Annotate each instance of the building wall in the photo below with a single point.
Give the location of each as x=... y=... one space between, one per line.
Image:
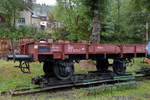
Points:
x=27 y=16
x=27 y=19
x=36 y=22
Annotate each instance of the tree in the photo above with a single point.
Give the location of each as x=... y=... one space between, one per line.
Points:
x=94 y=10
x=81 y=18
x=75 y=23
x=111 y=21
x=98 y=12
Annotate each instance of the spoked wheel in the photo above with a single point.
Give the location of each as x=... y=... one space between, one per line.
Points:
x=24 y=66
x=119 y=66
x=48 y=68
x=102 y=65
x=64 y=70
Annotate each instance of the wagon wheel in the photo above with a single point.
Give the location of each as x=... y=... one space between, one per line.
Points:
x=119 y=66
x=48 y=68
x=24 y=66
x=63 y=71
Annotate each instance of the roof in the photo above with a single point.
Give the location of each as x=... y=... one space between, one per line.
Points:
x=34 y=16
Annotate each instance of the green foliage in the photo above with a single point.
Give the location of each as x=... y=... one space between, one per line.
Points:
x=75 y=23
x=125 y=21
x=122 y=21
x=12 y=77
x=24 y=31
x=11 y=8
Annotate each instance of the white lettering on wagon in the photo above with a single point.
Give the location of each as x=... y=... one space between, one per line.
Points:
x=55 y=48
x=72 y=49
x=99 y=47
x=83 y=49
x=35 y=46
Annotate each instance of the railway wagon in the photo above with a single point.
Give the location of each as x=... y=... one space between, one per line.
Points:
x=59 y=57
x=6 y=47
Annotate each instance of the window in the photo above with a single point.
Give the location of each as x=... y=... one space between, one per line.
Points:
x=21 y=20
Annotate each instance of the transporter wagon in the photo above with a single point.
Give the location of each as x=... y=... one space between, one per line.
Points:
x=6 y=47
x=59 y=56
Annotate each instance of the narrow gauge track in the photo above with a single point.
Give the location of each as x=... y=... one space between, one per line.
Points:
x=82 y=82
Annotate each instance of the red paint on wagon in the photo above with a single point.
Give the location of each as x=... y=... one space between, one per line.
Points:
x=61 y=48
x=75 y=48
x=6 y=46
x=104 y=49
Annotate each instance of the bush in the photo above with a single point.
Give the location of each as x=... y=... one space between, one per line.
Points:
x=23 y=31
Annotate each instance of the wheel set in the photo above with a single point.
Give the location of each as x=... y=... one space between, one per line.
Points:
x=61 y=70
x=64 y=70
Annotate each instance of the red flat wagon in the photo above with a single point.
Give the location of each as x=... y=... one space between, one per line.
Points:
x=59 y=57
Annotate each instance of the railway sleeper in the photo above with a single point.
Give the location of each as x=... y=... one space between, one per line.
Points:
x=45 y=81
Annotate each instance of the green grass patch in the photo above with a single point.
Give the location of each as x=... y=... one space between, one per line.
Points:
x=11 y=77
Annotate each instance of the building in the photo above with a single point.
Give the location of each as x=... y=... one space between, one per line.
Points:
x=27 y=18
x=36 y=20
x=44 y=22
x=34 y=1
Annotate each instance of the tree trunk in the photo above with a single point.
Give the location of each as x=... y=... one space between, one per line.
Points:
x=95 y=37
x=14 y=19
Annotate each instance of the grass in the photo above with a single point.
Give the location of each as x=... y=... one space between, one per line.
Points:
x=11 y=77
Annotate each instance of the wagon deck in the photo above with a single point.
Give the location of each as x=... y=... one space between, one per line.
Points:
x=62 y=50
